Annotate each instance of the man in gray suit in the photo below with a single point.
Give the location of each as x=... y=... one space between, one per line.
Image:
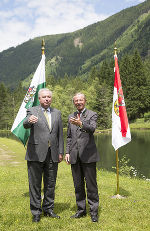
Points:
x=44 y=150
x=81 y=152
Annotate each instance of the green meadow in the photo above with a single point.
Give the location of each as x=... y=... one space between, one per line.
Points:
x=128 y=214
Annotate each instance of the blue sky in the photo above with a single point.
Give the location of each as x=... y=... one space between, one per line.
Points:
x=21 y=20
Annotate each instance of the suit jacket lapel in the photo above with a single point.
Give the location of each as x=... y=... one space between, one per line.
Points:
x=84 y=115
x=52 y=118
x=75 y=115
x=39 y=112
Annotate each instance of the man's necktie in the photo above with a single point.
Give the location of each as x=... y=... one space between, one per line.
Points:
x=47 y=118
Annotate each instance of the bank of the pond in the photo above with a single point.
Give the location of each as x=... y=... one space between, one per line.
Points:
x=137 y=124
x=131 y=213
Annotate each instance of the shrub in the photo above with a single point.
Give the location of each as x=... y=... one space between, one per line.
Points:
x=147 y=116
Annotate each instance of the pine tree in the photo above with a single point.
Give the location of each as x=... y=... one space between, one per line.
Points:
x=103 y=105
x=107 y=73
x=125 y=73
x=137 y=99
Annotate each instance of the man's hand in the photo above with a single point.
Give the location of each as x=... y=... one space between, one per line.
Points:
x=60 y=158
x=76 y=121
x=67 y=158
x=32 y=119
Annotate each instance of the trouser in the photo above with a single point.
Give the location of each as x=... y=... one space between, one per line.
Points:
x=37 y=170
x=85 y=172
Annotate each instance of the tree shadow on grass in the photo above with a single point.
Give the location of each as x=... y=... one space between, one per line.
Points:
x=74 y=209
x=60 y=207
x=123 y=192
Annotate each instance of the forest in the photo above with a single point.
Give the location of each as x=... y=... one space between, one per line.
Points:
x=97 y=87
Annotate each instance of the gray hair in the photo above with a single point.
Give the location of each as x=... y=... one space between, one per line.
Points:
x=79 y=93
x=44 y=89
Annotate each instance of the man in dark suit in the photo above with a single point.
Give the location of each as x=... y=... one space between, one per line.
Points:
x=81 y=152
x=44 y=150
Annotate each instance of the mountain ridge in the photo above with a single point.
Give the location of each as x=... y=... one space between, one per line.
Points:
x=75 y=53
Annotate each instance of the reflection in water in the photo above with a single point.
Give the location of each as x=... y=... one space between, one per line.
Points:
x=137 y=151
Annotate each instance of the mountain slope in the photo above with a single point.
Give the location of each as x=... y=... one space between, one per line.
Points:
x=75 y=53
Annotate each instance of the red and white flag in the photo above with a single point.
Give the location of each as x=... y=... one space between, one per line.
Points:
x=120 y=127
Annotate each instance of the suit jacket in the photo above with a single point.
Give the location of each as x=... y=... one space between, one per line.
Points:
x=41 y=135
x=80 y=141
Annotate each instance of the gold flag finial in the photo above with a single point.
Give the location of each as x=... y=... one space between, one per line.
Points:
x=115 y=49
x=43 y=47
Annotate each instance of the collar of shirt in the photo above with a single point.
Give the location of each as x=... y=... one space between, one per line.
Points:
x=81 y=112
x=48 y=109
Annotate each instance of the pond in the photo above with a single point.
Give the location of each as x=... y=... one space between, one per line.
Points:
x=137 y=151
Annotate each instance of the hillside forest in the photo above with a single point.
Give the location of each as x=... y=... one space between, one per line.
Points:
x=76 y=53
x=97 y=87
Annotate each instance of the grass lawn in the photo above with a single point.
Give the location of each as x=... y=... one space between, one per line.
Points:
x=129 y=214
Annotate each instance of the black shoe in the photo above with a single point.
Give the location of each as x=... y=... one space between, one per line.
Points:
x=51 y=214
x=36 y=218
x=94 y=218
x=78 y=215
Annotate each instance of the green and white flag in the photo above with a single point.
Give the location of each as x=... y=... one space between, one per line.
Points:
x=30 y=99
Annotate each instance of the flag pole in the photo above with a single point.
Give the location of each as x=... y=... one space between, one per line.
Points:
x=43 y=47
x=117 y=164
x=117 y=196
x=115 y=49
x=117 y=170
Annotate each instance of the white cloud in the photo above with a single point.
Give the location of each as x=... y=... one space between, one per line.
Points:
x=21 y=20
x=31 y=18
